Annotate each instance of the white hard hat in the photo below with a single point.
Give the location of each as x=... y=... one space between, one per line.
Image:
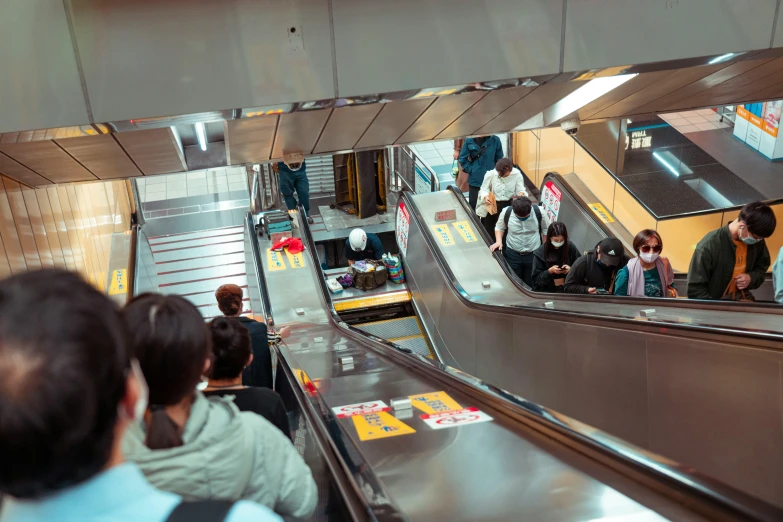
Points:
x=357 y=239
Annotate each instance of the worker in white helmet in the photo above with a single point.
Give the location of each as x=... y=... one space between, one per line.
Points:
x=361 y=245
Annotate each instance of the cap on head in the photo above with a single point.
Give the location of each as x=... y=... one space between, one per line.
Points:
x=611 y=251
x=293 y=160
x=357 y=239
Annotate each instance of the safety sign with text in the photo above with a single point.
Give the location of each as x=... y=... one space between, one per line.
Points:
x=454 y=419
x=360 y=408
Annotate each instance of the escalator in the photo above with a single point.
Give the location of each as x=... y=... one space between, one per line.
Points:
x=697 y=382
x=500 y=458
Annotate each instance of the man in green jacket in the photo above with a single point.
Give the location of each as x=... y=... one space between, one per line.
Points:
x=734 y=259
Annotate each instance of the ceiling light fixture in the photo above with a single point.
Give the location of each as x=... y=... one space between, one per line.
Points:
x=202 y=135
x=721 y=58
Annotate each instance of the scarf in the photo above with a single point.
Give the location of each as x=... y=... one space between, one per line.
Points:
x=636 y=275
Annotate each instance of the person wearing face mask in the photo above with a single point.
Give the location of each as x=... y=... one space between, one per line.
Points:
x=520 y=230
x=596 y=271
x=293 y=178
x=503 y=183
x=731 y=261
x=553 y=260
x=69 y=391
x=648 y=274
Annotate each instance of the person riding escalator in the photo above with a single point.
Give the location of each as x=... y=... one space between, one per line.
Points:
x=553 y=260
x=595 y=272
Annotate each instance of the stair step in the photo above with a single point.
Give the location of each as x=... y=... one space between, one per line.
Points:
x=197 y=287
x=392 y=328
x=208 y=298
x=202 y=251
x=197 y=242
x=199 y=274
x=200 y=262
x=214 y=232
x=212 y=310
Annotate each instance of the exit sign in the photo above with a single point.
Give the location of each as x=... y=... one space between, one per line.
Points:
x=445 y=215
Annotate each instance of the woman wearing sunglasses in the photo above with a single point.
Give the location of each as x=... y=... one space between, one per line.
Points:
x=648 y=274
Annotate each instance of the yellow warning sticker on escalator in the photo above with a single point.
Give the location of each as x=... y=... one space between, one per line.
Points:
x=435 y=402
x=464 y=229
x=295 y=260
x=379 y=425
x=119 y=282
x=442 y=232
x=599 y=210
x=275 y=260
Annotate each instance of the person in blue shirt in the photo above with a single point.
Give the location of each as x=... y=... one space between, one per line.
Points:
x=293 y=178
x=68 y=392
x=477 y=157
x=360 y=246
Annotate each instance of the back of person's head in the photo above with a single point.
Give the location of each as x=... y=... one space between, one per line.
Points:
x=503 y=166
x=169 y=338
x=759 y=218
x=522 y=206
x=231 y=348
x=229 y=299
x=63 y=373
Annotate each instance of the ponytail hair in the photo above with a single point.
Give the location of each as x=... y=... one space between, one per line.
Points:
x=171 y=342
x=231 y=348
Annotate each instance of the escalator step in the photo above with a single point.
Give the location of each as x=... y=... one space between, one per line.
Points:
x=416 y=343
x=392 y=328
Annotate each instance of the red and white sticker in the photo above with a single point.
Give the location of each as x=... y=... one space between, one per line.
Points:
x=455 y=419
x=361 y=408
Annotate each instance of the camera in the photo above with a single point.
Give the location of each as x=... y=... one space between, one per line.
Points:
x=570 y=127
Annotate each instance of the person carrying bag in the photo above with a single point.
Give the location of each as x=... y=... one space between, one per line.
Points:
x=500 y=186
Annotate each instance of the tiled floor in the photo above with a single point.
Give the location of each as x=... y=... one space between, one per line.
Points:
x=197 y=183
x=694 y=121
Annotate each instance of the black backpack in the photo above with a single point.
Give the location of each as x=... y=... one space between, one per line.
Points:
x=507 y=216
x=201 y=511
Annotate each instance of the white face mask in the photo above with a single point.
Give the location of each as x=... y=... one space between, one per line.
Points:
x=144 y=392
x=558 y=244
x=650 y=257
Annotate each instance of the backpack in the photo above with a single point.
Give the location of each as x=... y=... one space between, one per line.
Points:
x=507 y=216
x=201 y=511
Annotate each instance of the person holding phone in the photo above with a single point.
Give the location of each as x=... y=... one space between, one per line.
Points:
x=553 y=260
x=649 y=274
x=595 y=272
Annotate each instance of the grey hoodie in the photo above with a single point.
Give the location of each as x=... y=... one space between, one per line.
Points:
x=231 y=455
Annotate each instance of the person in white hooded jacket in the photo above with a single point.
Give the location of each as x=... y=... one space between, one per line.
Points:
x=200 y=448
x=505 y=182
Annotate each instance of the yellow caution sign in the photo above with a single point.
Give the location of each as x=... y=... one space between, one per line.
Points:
x=464 y=229
x=295 y=260
x=435 y=402
x=442 y=232
x=274 y=260
x=379 y=426
x=119 y=282
x=599 y=210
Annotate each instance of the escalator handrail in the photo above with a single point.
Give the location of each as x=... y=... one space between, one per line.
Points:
x=658 y=470
x=754 y=307
x=133 y=249
x=345 y=460
x=642 y=302
x=654 y=465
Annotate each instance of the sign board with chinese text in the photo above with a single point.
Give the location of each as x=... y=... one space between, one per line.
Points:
x=360 y=408
x=119 y=282
x=445 y=215
x=402 y=227
x=380 y=425
x=599 y=210
x=443 y=234
x=551 y=198
x=275 y=260
x=295 y=260
x=455 y=419
x=465 y=231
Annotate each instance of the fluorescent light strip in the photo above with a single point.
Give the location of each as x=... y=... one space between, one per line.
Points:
x=202 y=135
x=666 y=164
x=721 y=58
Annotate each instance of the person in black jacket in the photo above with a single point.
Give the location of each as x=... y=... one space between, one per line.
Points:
x=259 y=372
x=595 y=272
x=232 y=354
x=553 y=260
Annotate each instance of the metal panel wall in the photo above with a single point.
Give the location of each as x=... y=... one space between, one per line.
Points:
x=154 y=58
x=40 y=85
x=68 y=226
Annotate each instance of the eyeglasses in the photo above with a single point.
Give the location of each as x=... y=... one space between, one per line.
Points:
x=647 y=249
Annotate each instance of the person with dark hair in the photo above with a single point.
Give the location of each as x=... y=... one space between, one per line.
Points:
x=68 y=392
x=731 y=261
x=292 y=172
x=231 y=354
x=230 y=301
x=520 y=236
x=201 y=448
x=553 y=260
x=477 y=157
x=648 y=274
x=499 y=187
x=596 y=271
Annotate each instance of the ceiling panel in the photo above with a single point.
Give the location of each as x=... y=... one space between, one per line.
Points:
x=20 y=173
x=484 y=110
x=392 y=121
x=745 y=93
x=529 y=106
x=622 y=92
x=102 y=155
x=48 y=160
x=155 y=151
x=440 y=115
x=345 y=126
x=250 y=140
x=298 y=132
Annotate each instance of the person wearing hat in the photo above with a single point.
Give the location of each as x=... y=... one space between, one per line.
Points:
x=595 y=272
x=293 y=178
x=361 y=245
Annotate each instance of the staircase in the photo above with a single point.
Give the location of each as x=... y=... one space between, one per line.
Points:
x=194 y=264
x=404 y=331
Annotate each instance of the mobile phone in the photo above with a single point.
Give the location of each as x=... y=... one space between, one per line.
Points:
x=601 y=291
